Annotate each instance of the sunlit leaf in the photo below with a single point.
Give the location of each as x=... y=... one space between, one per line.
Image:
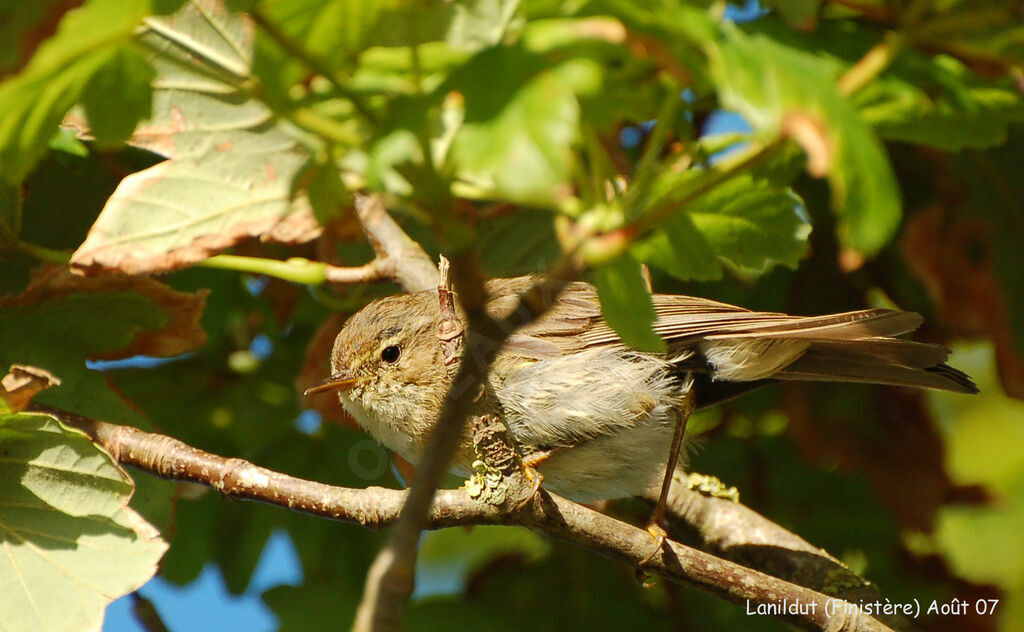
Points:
x=934 y=100
x=71 y=543
x=231 y=163
x=520 y=124
x=775 y=86
x=746 y=221
x=477 y=24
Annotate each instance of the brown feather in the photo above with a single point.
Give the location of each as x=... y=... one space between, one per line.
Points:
x=852 y=346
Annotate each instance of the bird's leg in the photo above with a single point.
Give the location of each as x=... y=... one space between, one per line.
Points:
x=655 y=526
x=497 y=452
x=529 y=464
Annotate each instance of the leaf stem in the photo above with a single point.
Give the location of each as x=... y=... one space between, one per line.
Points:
x=324 y=126
x=871 y=64
x=299 y=270
x=42 y=253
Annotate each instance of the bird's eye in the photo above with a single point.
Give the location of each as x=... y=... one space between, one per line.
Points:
x=391 y=353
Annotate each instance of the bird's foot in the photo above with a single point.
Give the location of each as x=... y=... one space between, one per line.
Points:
x=659 y=534
x=534 y=477
x=529 y=463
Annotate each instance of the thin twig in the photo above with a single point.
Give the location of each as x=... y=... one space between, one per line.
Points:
x=389 y=582
x=377 y=507
x=380 y=269
x=146 y=614
x=871 y=64
x=413 y=269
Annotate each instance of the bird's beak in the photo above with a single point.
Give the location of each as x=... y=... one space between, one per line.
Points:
x=338 y=382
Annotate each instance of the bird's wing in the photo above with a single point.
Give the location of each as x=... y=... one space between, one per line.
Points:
x=733 y=343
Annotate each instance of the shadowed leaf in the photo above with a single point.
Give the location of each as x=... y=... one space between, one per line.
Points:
x=33 y=102
x=180 y=332
x=769 y=83
x=626 y=304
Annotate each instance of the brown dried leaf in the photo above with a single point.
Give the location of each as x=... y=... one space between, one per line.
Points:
x=298 y=227
x=180 y=334
x=903 y=456
x=22 y=382
x=952 y=258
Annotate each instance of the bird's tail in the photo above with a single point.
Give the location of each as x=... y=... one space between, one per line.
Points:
x=851 y=347
x=879 y=361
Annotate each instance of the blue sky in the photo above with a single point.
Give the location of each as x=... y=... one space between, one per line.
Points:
x=205 y=604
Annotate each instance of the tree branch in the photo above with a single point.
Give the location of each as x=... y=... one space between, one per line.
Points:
x=727 y=529
x=413 y=269
x=377 y=507
x=146 y=614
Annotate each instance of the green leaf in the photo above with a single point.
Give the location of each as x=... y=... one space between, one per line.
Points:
x=306 y=607
x=679 y=248
x=337 y=32
x=71 y=543
x=63 y=320
x=477 y=24
x=933 y=100
x=748 y=221
x=33 y=102
x=753 y=224
x=982 y=542
x=326 y=191
x=232 y=163
x=21 y=25
x=626 y=304
x=127 y=74
x=520 y=123
x=772 y=84
x=939 y=102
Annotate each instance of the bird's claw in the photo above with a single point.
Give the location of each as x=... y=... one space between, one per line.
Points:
x=536 y=478
x=659 y=534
